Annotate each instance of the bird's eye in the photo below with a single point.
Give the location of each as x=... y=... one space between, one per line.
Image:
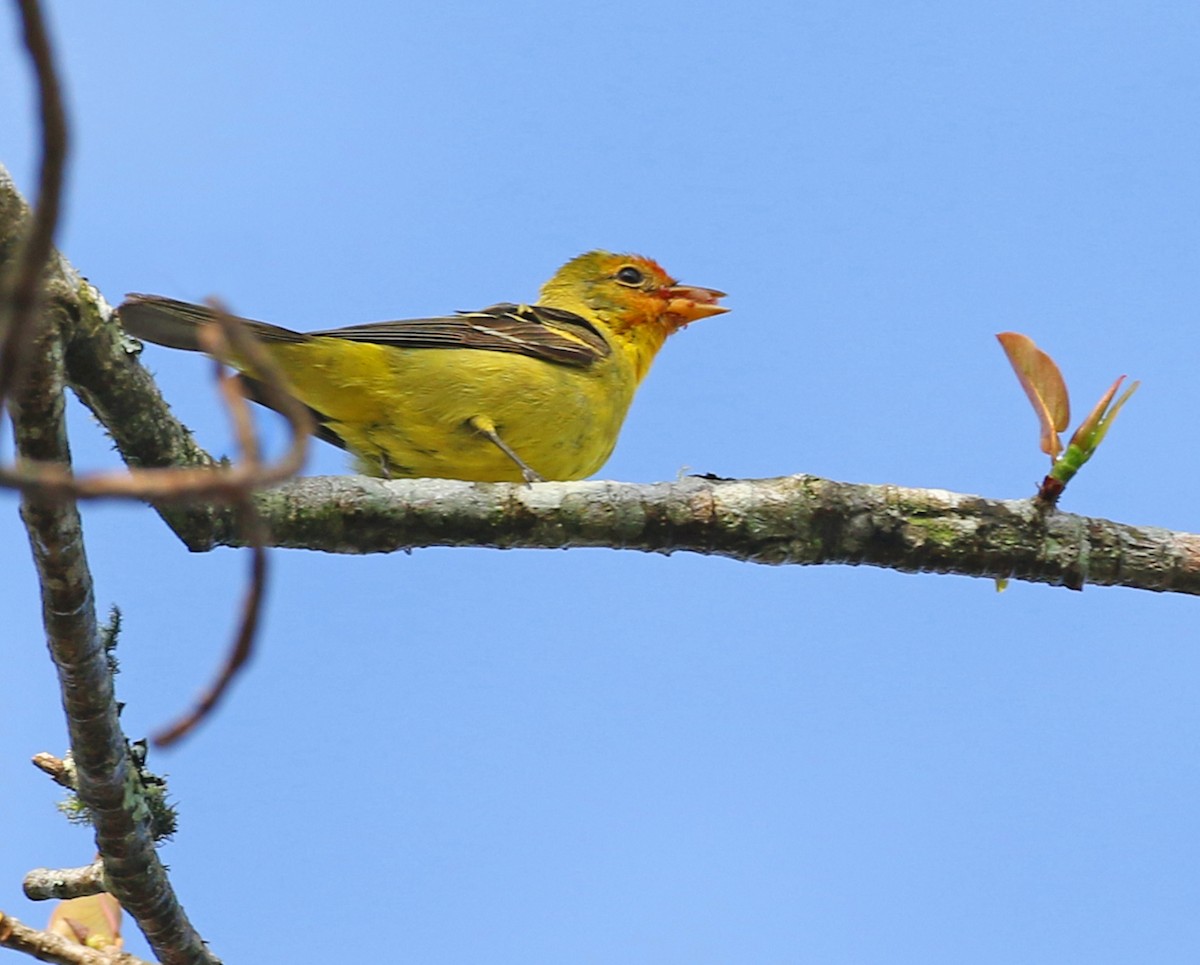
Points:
x=628 y=275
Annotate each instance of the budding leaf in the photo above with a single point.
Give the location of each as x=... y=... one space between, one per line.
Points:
x=1095 y=427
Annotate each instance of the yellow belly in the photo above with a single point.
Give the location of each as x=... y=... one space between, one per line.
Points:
x=406 y=412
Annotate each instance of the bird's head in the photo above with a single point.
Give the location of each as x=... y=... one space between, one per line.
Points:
x=629 y=293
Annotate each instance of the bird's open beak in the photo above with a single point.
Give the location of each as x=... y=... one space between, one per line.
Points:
x=688 y=303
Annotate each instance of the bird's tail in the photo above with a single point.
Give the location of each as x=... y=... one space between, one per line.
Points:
x=175 y=324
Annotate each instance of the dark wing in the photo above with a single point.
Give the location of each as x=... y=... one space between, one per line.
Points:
x=539 y=332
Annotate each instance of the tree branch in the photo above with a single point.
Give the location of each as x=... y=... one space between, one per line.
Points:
x=106 y=780
x=47 y=947
x=800 y=519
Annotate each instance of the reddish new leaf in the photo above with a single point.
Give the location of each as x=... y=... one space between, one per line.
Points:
x=1043 y=384
x=94 y=921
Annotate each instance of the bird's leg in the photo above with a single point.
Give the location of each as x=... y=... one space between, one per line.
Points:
x=487 y=428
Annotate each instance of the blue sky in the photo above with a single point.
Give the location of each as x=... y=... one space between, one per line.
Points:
x=598 y=756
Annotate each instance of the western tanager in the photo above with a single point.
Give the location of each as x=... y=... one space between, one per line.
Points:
x=508 y=393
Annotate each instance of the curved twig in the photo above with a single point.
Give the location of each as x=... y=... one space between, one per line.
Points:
x=18 y=308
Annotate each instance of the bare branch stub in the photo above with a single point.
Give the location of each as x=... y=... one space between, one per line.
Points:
x=60 y=771
x=42 y=884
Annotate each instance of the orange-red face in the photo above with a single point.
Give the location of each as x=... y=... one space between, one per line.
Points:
x=630 y=290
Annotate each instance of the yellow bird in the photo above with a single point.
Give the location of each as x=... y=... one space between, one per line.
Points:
x=509 y=393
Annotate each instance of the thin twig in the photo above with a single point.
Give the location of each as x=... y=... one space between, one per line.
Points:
x=242 y=344
x=243 y=642
x=227 y=485
x=18 y=309
x=228 y=384
x=218 y=340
